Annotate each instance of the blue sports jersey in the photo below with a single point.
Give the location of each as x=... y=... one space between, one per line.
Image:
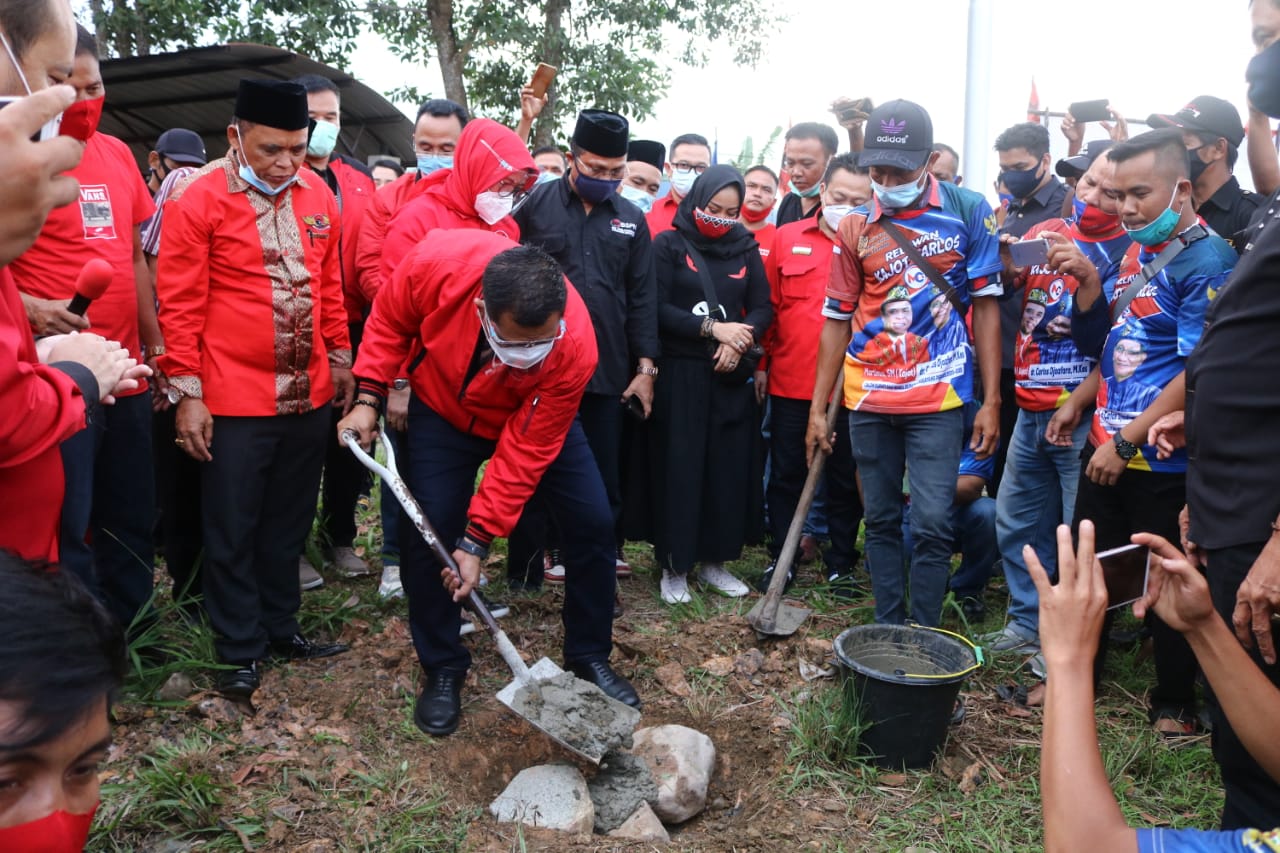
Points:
x=1208 y=841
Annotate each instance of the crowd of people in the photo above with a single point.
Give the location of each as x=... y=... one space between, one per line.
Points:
x=1096 y=351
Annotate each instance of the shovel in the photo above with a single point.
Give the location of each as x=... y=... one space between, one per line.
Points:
x=534 y=692
x=771 y=616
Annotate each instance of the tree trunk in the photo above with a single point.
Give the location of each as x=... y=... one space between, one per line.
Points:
x=450 y=54
x=553 y=54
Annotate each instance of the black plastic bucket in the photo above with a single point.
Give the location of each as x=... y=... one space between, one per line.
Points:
x=905 y=682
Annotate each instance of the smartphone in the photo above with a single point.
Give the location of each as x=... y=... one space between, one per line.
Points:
x=1029 y=253
x=633 y=407
x=542 y=78
x=1125 y=570
x=50 y=128
x=1083 y=111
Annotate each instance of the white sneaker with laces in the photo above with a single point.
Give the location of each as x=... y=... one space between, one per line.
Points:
x=552 y=566
x=390 y=587
x=718 y=578
x=674 y=587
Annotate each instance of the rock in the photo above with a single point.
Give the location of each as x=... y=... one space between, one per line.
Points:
x=218 y=709
x=749 y=663
x=719 y=666
x=551 y=796
x=682 y=761
x=671 y=677
x=176 y=688
x=623 y=784
x=643 y=826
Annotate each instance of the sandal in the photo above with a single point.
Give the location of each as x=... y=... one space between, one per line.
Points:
x=1174 y=724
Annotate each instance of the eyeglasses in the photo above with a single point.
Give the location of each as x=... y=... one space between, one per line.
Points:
x=599 y=173
x=686 y=168
x=505 y=344
x=512 y=187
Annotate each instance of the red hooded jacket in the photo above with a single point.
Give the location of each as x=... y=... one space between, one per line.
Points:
x=430 y=299
x=487 y=152
x=373 y=232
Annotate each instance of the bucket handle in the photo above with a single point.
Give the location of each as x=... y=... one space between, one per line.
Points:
x=978 y=658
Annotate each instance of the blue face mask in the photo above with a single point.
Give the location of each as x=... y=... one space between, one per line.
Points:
x=809 y=193
x=251 y=177
x=546 y=178
x=899 y=197
x=637 y=196
x=1158 y=230
x=323 y=139
x=428 y=163
x=594 y=190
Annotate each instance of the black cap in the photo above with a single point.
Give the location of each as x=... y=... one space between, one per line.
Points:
x=898 y=134
x=274 y=103
x=182 y=146
x=1205 y=114
x=1074 y=167
x=602 y=133
x=647 y=151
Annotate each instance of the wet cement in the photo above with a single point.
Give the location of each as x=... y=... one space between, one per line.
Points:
x=623 y=783
x=578 y=713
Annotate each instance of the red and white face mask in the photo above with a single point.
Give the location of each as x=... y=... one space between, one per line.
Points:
x=712 y=227
x=56 y=832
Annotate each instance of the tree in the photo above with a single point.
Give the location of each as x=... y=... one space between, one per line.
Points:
x=324 y=30
x=606 y=50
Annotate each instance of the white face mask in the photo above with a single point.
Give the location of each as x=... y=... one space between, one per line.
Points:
x=682 y=182
x=637 y=196
x=517 y=355
x=833 y=213
x=492 y=206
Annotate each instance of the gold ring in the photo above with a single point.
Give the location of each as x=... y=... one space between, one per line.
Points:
x=179 y=441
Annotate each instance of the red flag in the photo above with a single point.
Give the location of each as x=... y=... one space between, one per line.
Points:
x=1033 y=104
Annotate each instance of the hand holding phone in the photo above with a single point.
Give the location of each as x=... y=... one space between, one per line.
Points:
x=541 y=79
x=1125 y=571
x=1029 y=253
x=1086 y=111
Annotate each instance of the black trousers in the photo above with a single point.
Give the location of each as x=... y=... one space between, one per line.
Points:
x=440 y=471
x=259 y=497
x=1008 y=420
x=345 y=479
x=1253 y=797
x=178 y=502
x=1143 y=502
x=789 y=421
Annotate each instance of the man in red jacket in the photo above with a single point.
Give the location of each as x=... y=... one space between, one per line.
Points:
x=352 y=186
x=251 y=306
x=509 y=349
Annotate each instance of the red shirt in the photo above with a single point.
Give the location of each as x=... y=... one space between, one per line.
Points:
x=40 y=407
x=355 y=195
x=528 y=412
x=250 y=293
x=798 y=269
x=113 y=202
x=386 y=202
x=662 y=215
x=765 y=237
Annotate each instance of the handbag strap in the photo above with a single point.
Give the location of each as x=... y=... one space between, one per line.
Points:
x=704 y=275
x=925 y=266
x=1152 y=268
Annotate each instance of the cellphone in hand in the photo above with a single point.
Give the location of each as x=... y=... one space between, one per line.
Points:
x=47 y=131
x=1029 y=253
x=1125 y=570
x=1085 y=111
x=633 y=407
x=542 y=78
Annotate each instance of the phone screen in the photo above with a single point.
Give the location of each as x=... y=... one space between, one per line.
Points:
x=1086 y=111
x=1029 y=253
x=1125 y=570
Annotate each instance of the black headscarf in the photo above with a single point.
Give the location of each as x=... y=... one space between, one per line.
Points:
x=710 y=182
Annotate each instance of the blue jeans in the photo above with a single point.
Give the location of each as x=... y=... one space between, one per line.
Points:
x=926 y=448
x=1037 y=494
x=974 y=527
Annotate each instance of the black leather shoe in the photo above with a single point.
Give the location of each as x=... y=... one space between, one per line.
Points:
x=599 y=673
x=299 y=647
x=440 y=702
x=238 y=683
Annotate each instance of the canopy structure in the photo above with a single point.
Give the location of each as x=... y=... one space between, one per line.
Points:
x=196 y=89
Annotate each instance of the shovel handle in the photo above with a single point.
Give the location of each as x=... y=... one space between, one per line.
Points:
x=786 y=557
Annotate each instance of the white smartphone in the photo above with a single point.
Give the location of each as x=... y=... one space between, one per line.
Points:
x=1029 y=253
x=50 y=128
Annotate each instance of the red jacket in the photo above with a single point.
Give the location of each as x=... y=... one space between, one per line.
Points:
x=662 y=215
x=355 y=196
x=487 y=152
x=528 y=412
x=250 y=290
x=40 y=407
x=386 y=203
x=798 y=268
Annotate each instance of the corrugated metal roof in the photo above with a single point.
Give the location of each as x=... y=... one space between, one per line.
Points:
x=196 y=89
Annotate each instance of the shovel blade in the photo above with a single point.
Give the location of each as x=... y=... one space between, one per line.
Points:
x=581 y=733
x=786 y=621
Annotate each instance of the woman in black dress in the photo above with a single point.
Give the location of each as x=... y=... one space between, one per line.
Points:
x=704 y=431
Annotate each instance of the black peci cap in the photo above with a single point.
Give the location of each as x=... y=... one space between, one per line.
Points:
x=647 y=151
x=602 y=133
x=274 y=103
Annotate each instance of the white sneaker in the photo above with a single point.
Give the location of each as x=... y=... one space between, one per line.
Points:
x=675 y=588
x=718 y=578
x=552 y=566
x=391 y=586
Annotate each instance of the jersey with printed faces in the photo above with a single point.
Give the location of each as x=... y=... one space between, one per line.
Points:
x=1201 y=841
x=1149 y=343
x=911 y=351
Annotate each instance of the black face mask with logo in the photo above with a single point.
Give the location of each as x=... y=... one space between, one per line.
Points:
x=1263 y=75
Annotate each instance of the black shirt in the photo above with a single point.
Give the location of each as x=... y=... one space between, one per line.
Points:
x=1233 y=400
x=608 y=257
x=1042 y=205
x=791 y=209
x=1229 y=211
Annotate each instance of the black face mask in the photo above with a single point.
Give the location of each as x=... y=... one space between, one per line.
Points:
x=1197 y=165
x=1263 y=75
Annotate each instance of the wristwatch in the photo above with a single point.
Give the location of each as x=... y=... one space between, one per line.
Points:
x=647 y=371
x=1126 y=450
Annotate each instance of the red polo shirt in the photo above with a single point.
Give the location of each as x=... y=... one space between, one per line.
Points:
x=661 y=215
x=798 y=268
